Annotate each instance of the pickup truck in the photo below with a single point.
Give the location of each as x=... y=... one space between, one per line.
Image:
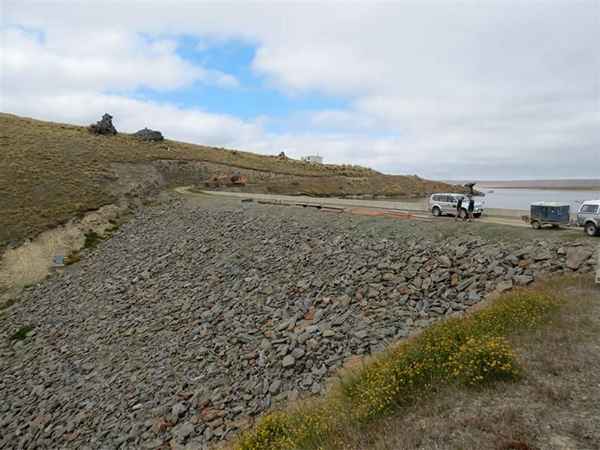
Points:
x=588 y=217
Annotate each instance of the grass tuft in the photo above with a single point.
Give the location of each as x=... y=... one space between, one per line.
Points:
x=21 y=333
x=8 y=303
x=92 y=239
x=73 y=258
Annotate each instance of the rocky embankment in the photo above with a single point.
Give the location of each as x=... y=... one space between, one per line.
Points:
x=194 y=318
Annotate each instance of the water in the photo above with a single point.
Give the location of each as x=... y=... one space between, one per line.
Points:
x=522 y=198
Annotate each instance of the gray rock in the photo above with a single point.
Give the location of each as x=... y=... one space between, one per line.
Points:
x=426 y=284
x=576 y=256
x=543 y=255
x=328 y=333
x=465 y=284
x=275 y=387
x=504 y=286
x=153 y=444
x=298 y=353
x=513 y=260
x=361 y=334
x=499 y=271
x=288 y=361
x=103 y=126
x=445 y=261
x=523 y=280
x=473 y=297
x=182 y=431
x=179 y=409
x=146 y=134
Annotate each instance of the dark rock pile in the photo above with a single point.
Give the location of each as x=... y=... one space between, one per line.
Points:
x=192 y=319
x=103 y=126
x=146 y=134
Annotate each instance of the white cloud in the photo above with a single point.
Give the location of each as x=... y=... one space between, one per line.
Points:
x=441 y=88
x=96 y=59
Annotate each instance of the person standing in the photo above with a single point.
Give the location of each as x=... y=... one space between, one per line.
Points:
x=458 y=208
x=471 y=207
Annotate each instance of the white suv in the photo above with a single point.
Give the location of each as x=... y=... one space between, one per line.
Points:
x=446 y=204
x=588 y=217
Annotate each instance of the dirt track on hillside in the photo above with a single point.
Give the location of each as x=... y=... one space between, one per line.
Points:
x=417 y=208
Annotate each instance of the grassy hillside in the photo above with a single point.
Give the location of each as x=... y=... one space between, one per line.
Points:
x=51 y=172
x=388 y=186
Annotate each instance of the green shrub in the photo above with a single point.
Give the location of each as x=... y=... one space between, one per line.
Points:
x=21 y=333
x=92 y=239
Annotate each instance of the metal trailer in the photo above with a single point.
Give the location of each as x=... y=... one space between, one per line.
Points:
x=549 y=213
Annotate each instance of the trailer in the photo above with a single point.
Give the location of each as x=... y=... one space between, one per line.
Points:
x=549 y=213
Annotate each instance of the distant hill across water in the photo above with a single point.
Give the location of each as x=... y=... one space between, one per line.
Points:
x=558 y=184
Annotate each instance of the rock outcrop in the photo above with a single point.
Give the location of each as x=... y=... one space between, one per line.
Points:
x=104 y=126
x=146 y=134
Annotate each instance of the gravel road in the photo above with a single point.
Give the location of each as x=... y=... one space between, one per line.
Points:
x=201 y=313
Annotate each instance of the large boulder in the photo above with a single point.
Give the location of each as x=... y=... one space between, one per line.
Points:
x=103 y=126
x=146 y=134
x=576 y=256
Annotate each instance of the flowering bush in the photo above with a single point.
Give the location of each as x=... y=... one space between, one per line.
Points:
x=304 y=428
x=273 y=432
x=481 y=360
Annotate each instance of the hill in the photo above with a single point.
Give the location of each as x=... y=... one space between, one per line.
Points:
x=51 y=172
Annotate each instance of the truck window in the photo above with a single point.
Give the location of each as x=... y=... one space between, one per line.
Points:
x=589 y=209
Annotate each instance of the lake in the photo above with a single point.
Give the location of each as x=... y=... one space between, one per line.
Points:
x=522 y=198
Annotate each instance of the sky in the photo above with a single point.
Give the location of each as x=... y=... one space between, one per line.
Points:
x=486 y=89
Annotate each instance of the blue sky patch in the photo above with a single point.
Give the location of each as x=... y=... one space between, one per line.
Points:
x=254 y=97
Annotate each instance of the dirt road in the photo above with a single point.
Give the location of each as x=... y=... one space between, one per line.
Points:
x=416 y=208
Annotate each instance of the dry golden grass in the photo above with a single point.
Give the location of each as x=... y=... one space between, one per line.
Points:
x=387 y=186
x=552 y=343
x=50 y=172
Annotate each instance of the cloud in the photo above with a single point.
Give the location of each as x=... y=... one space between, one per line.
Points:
x=101 y=60
x=495 y=88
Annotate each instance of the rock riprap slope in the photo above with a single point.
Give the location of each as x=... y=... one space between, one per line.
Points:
x=193 y=318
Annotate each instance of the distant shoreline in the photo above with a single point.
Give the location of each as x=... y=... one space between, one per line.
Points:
x=542 y=188
x=565 y=184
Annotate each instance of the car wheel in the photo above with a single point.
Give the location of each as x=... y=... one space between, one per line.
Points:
x=436 y=211
x=591 y=229
x=536 y=225
x=478 y=215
